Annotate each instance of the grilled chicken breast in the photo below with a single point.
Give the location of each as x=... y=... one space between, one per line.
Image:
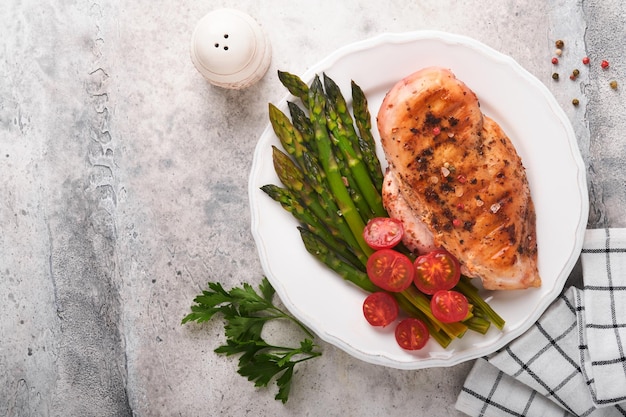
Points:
x=454 y=174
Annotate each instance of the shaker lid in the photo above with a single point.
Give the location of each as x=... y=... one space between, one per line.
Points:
x=230 y=49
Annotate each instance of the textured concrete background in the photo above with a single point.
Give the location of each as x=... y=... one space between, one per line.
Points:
x=123 y=177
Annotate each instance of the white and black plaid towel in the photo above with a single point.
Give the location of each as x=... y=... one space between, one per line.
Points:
x=572 y=361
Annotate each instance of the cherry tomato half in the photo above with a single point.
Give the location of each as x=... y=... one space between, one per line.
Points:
x=383 y=232
x=390 y=270
x=436 y=270
x=412 y=334
x=380 y=309
x=449 y=306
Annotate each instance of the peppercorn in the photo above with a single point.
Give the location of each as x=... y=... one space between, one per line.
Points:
x=555 y=76
x=555 y=60
x=613 y=84
x=559 y=52
x=575 y=102
x=559 y=44
x=586 y=60
x=604 y=64
x=576 y=73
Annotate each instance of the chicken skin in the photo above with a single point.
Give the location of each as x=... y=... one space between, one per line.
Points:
x=454 y=174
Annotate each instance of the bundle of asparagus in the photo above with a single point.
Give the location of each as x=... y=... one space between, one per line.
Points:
x=332 y=181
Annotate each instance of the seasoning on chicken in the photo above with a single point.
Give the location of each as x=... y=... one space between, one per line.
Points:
x=454 y=174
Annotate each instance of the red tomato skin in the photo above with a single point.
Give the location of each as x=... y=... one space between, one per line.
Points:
x=380 y=309
x=383 y=232
x=412 y=334
x=449 y=306
x=436 y=270
x=390 y=270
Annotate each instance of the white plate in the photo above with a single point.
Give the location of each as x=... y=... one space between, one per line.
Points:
x=543 y=137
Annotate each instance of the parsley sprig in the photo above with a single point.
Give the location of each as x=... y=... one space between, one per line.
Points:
x=246 y=312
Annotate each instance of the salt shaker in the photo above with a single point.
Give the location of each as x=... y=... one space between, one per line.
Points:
x=230 y=49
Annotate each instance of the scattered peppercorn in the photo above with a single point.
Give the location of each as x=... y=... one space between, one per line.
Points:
x=576 y=73
x=604 y=64
x=572 y=77
x=559 y=52
x=575 y=102
x=559 y=44
x=555 y=76
x=436 y=130
x=555 y=60
x=586 y=60
x=613 y=84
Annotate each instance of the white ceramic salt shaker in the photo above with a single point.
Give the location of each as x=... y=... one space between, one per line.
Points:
x=230 y=49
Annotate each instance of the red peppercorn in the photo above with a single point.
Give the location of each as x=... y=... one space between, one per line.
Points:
x=460 y=206
x=456 y=223
x=572 y=77
x=436 y=130
x=586 y=60
x=555 y=60
x=604 y=64
x=461 y=178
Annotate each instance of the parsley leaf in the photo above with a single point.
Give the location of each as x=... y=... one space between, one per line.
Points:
x=246 y=311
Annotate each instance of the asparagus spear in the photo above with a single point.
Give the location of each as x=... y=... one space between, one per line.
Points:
x=334 y=94
x=344 y=141
x=362 y=207
x=293 y=178
x=320 y=250
x=317 y=178
x=329 y=164
x=294 y=143
x=367 y=144
x=302 y=123
x=290 y=138
x=471 y=292
x=314 y=226
x=296 y=86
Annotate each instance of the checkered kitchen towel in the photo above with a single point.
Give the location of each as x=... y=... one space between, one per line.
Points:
x=572 y=361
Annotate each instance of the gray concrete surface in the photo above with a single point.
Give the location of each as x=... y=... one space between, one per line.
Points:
x=123 y=177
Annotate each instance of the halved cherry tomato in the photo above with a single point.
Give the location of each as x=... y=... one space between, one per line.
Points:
x=390 y=270
x=449 y=306
x=380 y=309
x=412 y=334
x=436 y=270
x=383 y=232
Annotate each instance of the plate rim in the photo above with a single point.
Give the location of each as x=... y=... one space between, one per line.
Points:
x=546 y=301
